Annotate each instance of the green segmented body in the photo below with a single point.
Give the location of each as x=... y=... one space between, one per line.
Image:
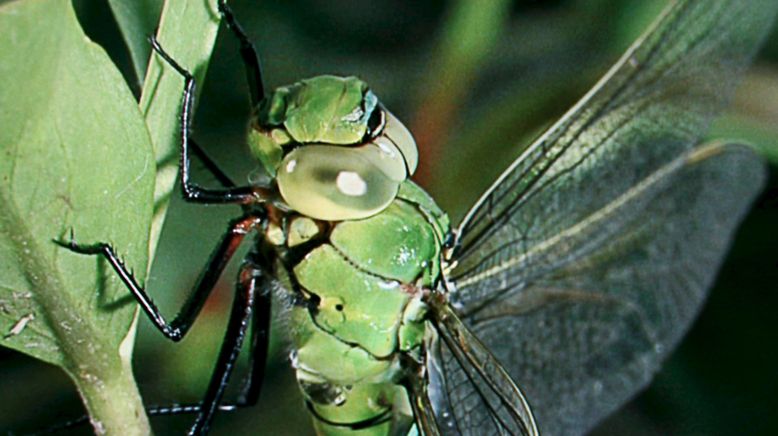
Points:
x=354 y=243
x=359 y=311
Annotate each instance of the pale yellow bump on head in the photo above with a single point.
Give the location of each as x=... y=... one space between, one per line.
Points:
x=351 y=184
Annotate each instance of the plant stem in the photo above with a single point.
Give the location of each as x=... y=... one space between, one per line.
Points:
x=113 y=401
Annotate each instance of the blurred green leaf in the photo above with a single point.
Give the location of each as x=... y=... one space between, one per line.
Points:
x=470 y=33
x=754 y=114
x=762 y=137
x=75 y=155
x=137 y=20
x=501 y=131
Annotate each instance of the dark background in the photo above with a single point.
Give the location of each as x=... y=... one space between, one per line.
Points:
x=721 y=380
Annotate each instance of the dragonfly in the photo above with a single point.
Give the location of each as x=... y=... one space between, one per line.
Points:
x=553 y=301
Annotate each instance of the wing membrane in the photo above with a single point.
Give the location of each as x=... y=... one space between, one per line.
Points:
x=473 y=394
x=650 y=108
x=619 y=288
x=588 y=258
x=585 y=262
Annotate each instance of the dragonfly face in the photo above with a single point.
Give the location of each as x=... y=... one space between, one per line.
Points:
x=334 y=151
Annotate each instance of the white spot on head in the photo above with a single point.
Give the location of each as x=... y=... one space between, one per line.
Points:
x=351 y=184
x=290 y=166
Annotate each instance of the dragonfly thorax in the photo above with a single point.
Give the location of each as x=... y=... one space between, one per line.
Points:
x=334 y=151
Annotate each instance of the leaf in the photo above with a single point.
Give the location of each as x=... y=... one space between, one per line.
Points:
x=137 y=20
x=187 y=31
x=74 y=154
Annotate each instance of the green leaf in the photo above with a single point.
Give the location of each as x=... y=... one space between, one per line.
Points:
x=74 y=154
x=470 y=33
x=187 y=31
x=137 y=20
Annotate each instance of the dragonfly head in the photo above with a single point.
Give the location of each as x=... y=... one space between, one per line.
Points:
x=333 y=150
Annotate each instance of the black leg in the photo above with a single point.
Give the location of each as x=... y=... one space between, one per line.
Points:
x=248 y=283
x=176 y=329
x=210 y=165
x=192 y=192
x=260 y=341
x=247 y=52
x=260 y=338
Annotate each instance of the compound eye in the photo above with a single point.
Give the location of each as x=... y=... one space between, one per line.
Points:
x=401 y=136
x=335 y=183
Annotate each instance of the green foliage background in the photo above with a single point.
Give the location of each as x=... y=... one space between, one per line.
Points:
x=474 y=84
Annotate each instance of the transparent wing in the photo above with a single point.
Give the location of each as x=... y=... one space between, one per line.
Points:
x=587 y=259
x=650 y=108
x=472 y=393
x=620 y=288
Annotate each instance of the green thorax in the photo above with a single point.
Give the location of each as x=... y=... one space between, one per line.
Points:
x=360 y=287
